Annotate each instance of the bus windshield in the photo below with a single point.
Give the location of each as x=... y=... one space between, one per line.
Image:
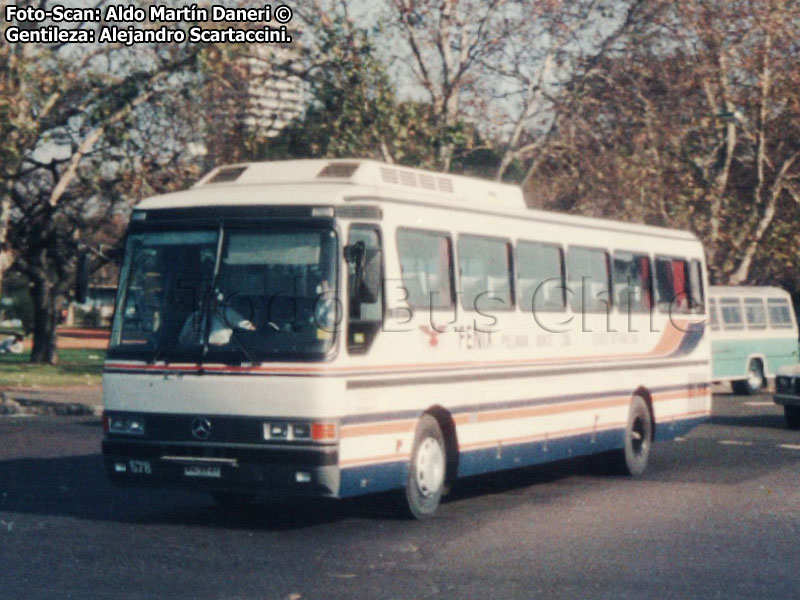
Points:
x=226 y=295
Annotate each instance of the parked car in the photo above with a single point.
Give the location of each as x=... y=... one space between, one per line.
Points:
x=787 y=393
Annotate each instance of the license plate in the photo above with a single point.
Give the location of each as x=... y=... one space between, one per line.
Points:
x=140 y=467
x=199 y=471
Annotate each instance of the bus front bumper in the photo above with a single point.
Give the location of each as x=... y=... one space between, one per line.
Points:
x=241 y=468
x=787 y=386
x=787 y=399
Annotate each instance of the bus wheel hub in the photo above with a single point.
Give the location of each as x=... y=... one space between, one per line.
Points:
x=429 y=467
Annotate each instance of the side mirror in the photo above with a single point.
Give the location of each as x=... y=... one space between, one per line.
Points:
x=82 y=278
x=370 y=289
x=367 y=279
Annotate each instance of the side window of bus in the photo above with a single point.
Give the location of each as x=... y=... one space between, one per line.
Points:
x=755 y=313
x=731 y=310
x=633 y=283
x=426 y=264
x=779 y=312
x=712 y=313
x=365 y=317
x=484 y=266
x=696 y=291
x=672 y=284
x=588 y=279
x=540 y=277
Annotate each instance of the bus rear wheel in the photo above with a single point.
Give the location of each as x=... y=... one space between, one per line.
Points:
x=792 y=415
x=632 y=458
x=754 y=382
x=426 y=471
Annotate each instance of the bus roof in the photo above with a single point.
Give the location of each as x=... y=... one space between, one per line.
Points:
x=326 y=182
x=747 y=290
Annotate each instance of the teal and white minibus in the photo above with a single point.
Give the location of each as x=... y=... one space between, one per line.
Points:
x=753 y=334
x=344 y=327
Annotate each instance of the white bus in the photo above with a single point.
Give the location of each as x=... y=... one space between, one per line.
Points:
x=341 y=327
x=753 y=334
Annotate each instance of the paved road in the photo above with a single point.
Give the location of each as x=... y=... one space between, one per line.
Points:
x=717 y=515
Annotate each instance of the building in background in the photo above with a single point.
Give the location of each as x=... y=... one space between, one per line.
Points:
x=274 y=91
x=251 y=100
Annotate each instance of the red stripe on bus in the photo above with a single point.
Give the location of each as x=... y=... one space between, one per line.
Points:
x=669 y=342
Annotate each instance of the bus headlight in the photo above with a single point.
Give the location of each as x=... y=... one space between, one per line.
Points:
x=125 y=425
x=319 y=431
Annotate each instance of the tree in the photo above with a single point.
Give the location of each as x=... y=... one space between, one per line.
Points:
x=550 y=44
x=691 y=122
x=445 y=44
x=85 y=129
x=352 y=108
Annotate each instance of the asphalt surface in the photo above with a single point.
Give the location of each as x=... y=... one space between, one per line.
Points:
x=717 y=515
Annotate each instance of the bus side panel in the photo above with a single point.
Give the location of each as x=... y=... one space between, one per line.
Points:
x=574 y=428
x=374 y=451
x=508 y=456
x=732 y=357
x=373 y=478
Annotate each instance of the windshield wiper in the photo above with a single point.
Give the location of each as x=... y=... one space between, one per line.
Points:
x=245 y=348
x=163 y=349
x=174 y=340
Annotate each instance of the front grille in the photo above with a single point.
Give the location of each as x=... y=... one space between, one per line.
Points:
x=221 y=429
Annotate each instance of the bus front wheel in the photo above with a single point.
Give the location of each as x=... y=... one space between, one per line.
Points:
x=426 y=471
x=632 y=458
x=754 y=381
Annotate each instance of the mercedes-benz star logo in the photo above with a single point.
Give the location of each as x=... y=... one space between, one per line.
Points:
x=201 y=428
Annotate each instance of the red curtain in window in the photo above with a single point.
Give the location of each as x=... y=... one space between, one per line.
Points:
x=679 y=281
x=644 y=274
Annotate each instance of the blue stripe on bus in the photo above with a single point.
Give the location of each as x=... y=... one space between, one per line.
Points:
x=690 y=339
x=387 y=476
x=486 y=460
x=367 y=479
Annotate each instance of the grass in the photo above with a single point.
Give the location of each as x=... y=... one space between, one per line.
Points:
x=76 y=367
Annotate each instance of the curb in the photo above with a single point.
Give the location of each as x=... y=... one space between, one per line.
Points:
x=23 y=406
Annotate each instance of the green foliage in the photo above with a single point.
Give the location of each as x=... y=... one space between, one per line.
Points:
x=16 y=294
x=21 y=308
x=76 y=367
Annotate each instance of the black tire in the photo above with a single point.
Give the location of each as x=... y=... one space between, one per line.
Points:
x=755 y=380
x=426 y=471
x=232 y=499
x=632 y=458
x=792 y=415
